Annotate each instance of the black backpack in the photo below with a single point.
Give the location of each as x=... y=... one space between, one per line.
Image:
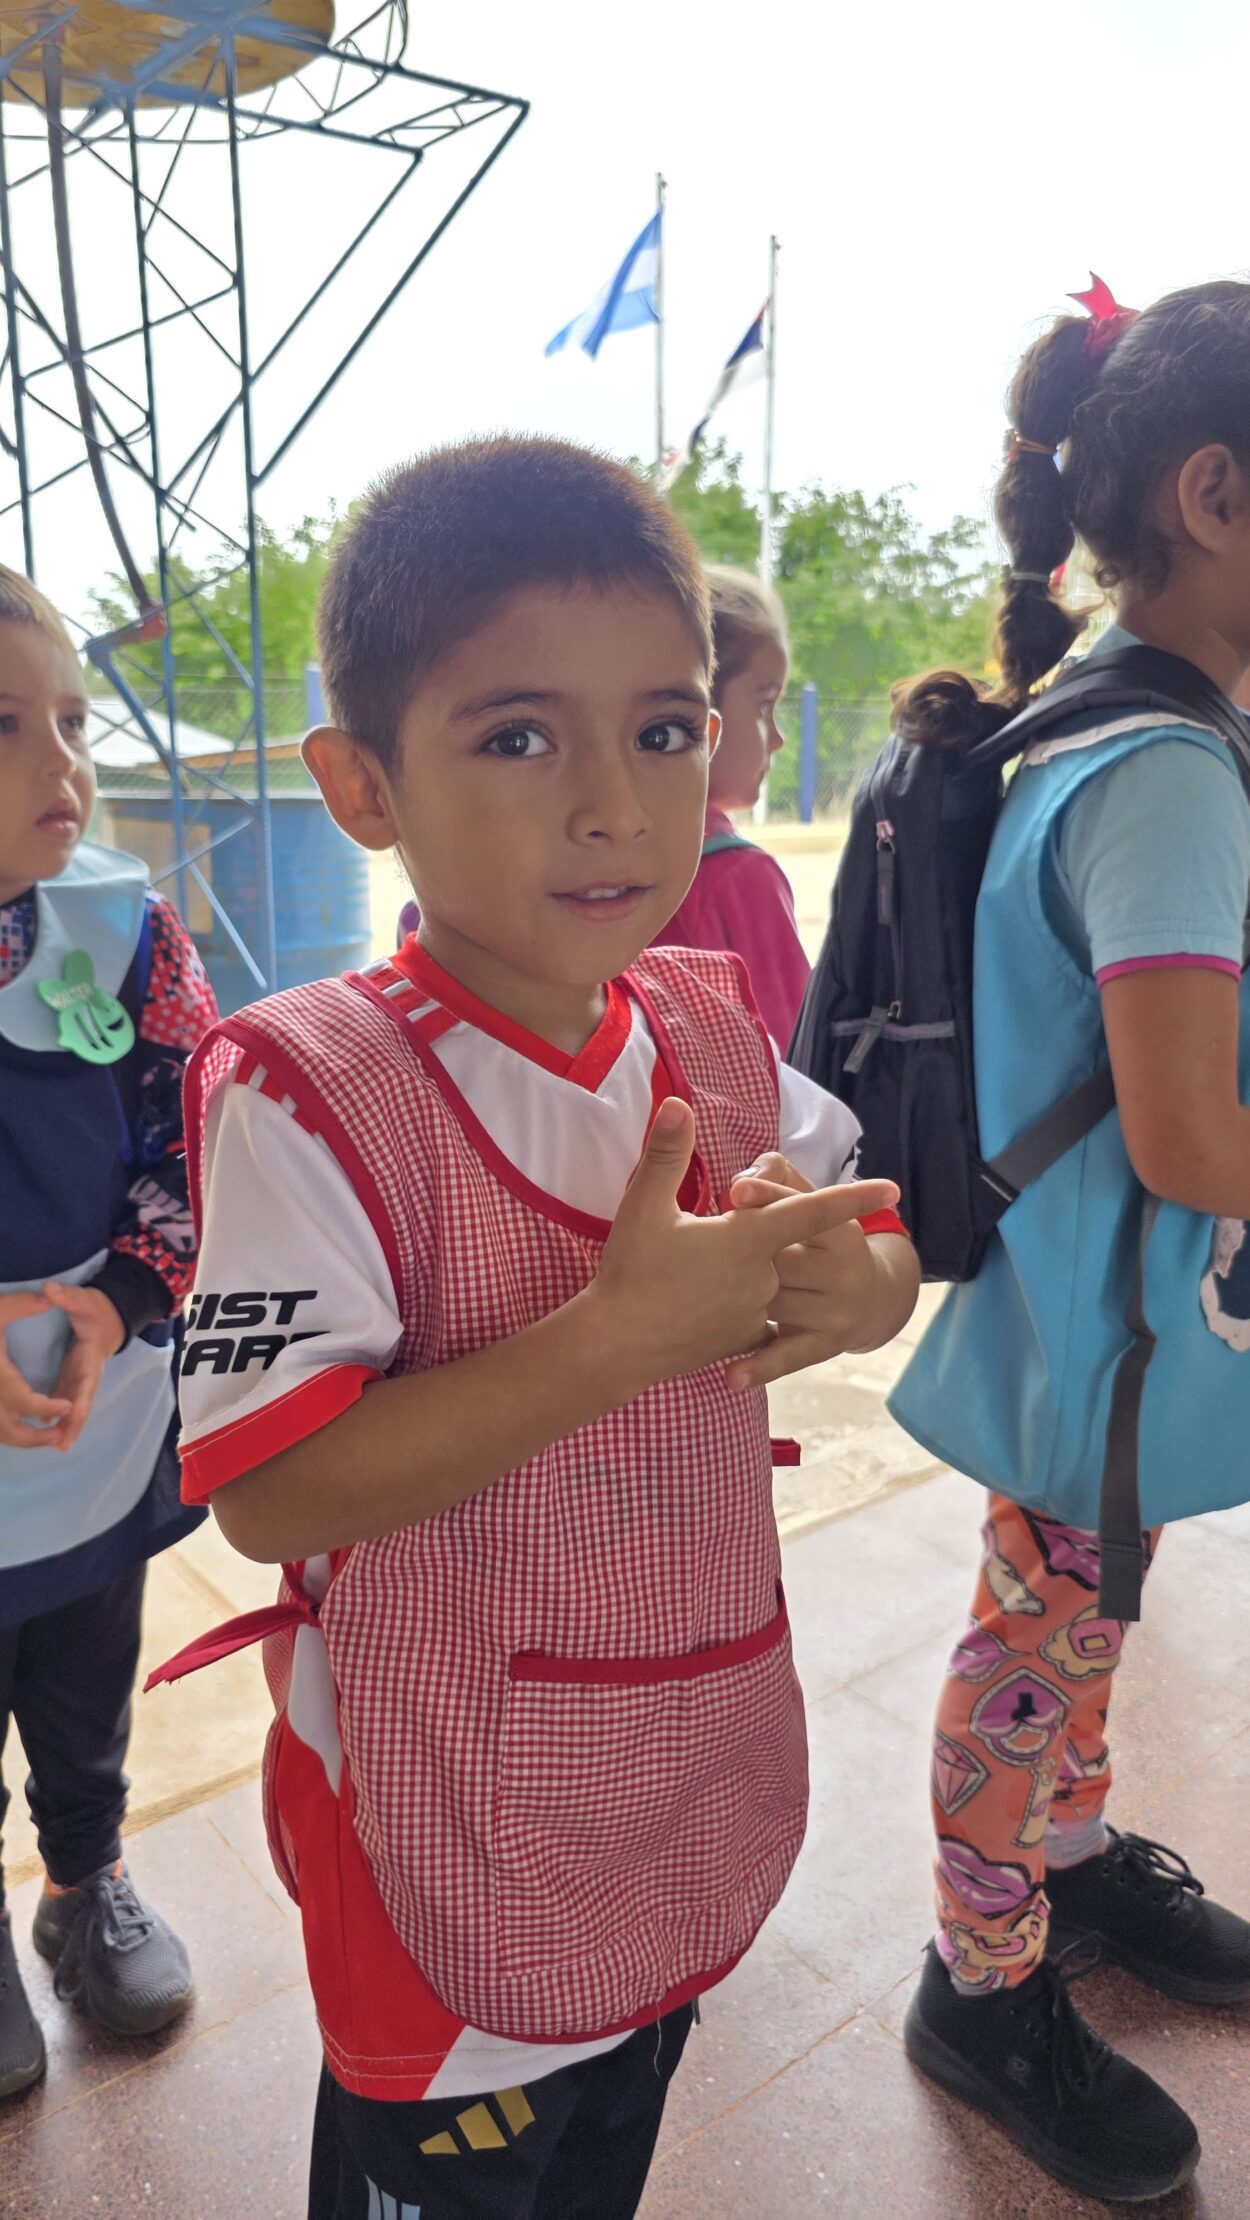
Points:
x=886 y=1023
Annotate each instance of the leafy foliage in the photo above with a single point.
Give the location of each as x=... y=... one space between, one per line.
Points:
x=208 y=656
x=869 y=595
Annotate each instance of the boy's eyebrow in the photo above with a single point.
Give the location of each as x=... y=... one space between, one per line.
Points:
x=679 y=693
x=517 y=697
x=511 y=698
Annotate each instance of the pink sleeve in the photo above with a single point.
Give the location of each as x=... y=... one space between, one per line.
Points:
x=741 y=900
x=1167 y=963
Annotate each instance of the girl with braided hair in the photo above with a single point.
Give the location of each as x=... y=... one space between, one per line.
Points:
x=1110 y=924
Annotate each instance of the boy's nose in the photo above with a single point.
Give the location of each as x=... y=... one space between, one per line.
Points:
x=609 y=808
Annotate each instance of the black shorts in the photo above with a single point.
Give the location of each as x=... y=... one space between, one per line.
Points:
x=574 y=2146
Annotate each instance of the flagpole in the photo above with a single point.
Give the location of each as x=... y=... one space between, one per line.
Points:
x=659 y=333
x=760 y=812
x=770 y=371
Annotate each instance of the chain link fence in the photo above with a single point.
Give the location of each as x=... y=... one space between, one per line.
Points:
x=829 y=746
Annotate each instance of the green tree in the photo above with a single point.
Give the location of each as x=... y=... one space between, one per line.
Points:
x=210 y=690
x=870 y=597
x=711 y=502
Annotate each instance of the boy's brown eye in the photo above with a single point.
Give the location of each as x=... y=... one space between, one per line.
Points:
x=518 y=745
x=669 y=737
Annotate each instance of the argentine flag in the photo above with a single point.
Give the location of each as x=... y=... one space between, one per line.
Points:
x=745 y=365
x=627 y=300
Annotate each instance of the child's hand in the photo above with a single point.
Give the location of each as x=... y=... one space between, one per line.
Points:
x=686 y=1292
x=97 y=1333
x=20 y=1406
x=828 y=1286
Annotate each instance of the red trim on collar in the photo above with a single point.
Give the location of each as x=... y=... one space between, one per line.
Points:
x=588 y=1068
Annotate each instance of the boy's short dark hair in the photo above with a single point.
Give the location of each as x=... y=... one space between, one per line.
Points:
x=437 y=545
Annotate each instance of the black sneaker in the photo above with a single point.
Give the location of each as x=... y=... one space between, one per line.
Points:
x=114 y=1955
x=1095 y=2122
x=22 y=2056
x=1152 y=1917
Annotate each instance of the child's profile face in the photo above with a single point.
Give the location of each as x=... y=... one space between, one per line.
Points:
x=549 y=790
x=47 y=782
x=749 y=738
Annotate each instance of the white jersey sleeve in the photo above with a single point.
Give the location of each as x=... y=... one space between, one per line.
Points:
x=293 y=1312
x=818 y=1133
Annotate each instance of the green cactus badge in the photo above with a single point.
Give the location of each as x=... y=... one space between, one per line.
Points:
x=90 y=1022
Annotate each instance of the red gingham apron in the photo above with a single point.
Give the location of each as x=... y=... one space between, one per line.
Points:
x=574 y=1749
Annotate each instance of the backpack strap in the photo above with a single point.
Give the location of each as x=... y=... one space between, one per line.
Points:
x=1122 y=1562
x=1051 y=1136
x=718 y=844
x=1125 y=678
x=1121 y=1545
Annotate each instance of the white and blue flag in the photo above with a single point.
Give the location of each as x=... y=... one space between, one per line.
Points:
x=745 y=365
x=626 y=301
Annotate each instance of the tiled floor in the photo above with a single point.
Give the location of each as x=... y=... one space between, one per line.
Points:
x=794 y=2098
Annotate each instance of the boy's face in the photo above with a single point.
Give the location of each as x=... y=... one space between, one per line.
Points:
x=547 y=794
x=47 y=782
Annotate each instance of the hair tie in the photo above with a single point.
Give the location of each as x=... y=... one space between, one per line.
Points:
x=1028 y=578
x=1017 y=446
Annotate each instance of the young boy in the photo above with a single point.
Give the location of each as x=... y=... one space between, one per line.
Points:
x=102 y=998
x=482 y=1364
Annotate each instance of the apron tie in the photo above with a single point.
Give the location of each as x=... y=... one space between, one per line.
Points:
x=236 y=1634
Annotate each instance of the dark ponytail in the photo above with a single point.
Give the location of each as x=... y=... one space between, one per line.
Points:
x=1124 y=402
x=1031 y=511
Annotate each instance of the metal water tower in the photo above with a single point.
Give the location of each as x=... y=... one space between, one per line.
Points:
x=179 y=303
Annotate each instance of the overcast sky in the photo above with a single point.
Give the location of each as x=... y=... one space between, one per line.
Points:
x=938 y=179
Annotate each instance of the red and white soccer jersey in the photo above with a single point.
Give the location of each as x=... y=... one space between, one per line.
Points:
x=298 y=1307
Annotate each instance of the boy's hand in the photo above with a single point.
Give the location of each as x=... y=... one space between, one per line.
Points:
x=97 y=1333
x=686 y=1292
x=21 y=1408
x=828 y=1285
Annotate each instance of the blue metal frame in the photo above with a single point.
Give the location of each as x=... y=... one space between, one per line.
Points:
x=335 y=95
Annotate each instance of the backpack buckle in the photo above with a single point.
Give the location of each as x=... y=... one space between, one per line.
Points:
x=873 y=1030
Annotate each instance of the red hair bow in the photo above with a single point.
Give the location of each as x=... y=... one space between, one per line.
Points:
x=1106 y=317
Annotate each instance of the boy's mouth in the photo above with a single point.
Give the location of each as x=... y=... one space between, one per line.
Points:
x=605 y=902
x=60 y=818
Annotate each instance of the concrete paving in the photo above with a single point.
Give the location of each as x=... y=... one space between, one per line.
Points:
x=794 y=2098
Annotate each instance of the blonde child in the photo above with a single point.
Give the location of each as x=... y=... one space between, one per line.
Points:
x=741 y=898
x=102 y=998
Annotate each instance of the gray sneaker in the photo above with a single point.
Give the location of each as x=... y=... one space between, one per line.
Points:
x=22 y=2056
x=114 y=1955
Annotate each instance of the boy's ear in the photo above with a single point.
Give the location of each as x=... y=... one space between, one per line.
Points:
x=352 y=786
x=715 y=724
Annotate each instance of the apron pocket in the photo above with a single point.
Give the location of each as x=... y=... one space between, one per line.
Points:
x=647 y=1813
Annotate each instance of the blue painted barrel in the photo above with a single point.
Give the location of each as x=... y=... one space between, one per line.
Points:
x=320 y=885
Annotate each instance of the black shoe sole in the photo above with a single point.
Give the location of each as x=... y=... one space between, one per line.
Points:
x=1182 y=1987
x=25 y=2077
x=959 y=2079
x=151 y=2024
